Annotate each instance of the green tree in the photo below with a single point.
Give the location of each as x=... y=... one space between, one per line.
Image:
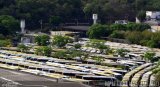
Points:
x=118 y=34
x=8 y=25
x=23 y=48
x=60 y=54
x=42 y=40
x=118 y=27
x=44 y=51
x=151 y=44
x=77 y=46
x=97 y=31
x=61 y=41
x=55 y=21
x=141 y=15
x=98 y=59
x=5 y=43
x=121 y=52
x=149 y=55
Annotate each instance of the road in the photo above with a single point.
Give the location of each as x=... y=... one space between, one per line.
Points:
x=9 y=78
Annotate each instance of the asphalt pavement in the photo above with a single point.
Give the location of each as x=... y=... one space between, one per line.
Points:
x=9 y=78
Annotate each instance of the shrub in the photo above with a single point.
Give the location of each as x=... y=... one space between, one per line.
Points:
x=42 y=40
x=61 y=41
x=118 y=34
x=97 y=31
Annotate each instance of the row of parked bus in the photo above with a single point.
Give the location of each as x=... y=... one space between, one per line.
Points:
x=127 y=78
x=136 y=80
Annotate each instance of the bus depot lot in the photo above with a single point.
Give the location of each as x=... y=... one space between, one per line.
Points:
x=11 y=78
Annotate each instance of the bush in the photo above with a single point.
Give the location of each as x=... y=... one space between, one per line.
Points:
x=23 y=48
x=118 y=27
x=42 y=40
x=118 y=34
x=77 y=46
x=149 y=55
x=151 y=43
x=5 y=43
x=134 y=37
x=97 y=31
x=61 y=41
x=44 y=51
x=141 y=15
x=137 y=27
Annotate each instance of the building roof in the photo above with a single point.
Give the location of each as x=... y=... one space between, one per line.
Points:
x=79 y=28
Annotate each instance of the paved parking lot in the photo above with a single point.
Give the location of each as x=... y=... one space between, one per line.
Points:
x=10 y=78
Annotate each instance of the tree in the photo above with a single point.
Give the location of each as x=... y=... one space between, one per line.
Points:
x=151 y=44
x=8 y=25
x=23 y=48
x=118 y=34
x=61 y=41
x=42 y=40
x=44 y=51
x=55 y=21
x=121 y=52
x=60 y=54
x=77 y=46
x=137 y=27
x=98 y=59
x=97 y=31
x=5 y=43
x=118 y=27
x=149 y=55
x=141 y=15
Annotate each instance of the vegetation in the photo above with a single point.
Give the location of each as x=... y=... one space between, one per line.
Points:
x=134 y=33
x=121 y=52
x=23 y=48
x=98 y=59
x=61 y=41
x=42 y=40
x=77 y=46
x=8 y=25
x=5 y=43
x=43 y=51
x=60 y=54
x=149 y=56
x=97 y=31
x=55 y=21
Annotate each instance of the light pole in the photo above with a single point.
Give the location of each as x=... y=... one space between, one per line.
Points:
x=136 y=10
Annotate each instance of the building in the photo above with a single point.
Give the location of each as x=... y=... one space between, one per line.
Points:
x=153 y=15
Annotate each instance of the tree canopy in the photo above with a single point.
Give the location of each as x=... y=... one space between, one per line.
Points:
x=69 y=10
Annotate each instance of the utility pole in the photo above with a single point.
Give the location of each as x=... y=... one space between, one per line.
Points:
x=136 y=9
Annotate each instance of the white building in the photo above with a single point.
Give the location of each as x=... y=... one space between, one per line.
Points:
x=152 y=15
